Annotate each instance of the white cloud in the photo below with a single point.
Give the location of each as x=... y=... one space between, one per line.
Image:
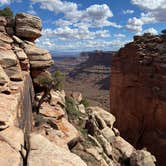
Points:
x=69 y=34
x=115 y=25
x=52 y=45
x=128 y=11
x=76 y=28
x=134 y=24
x=5 y=2
x=31 y=10
x=119 y=35
x=93 y=16
x=151 y=30
x=150 y=4
x=155 y=9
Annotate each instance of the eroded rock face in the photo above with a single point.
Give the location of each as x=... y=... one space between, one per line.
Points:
x=16 y=88
x=138 y=93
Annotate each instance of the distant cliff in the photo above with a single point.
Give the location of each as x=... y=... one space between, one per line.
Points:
x=98 y=57
x=138 y=93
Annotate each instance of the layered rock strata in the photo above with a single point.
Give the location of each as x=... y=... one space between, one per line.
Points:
x=138 y=93
x=19 y=57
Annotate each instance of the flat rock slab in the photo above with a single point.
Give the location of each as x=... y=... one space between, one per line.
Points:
x=43 y=152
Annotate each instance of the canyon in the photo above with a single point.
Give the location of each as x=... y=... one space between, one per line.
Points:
x=92 y=68
x=64 y=130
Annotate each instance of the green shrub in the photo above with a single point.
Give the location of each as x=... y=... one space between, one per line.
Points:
x=6 y=12
x=71 y=108
x=85 y=102
x=44 y=80
x=39 y=120
x=58 y=78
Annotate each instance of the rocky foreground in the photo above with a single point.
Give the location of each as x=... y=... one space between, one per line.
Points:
x=138 y=93
x=64 y=132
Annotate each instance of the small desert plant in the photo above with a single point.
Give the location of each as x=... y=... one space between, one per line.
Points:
x=58 y=79
x=85 y=102
x=6 y=12
x=45 y=81
x=71 y=108
x=39 y=120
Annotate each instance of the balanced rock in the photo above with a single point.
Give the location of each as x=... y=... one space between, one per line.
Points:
x=28 y=26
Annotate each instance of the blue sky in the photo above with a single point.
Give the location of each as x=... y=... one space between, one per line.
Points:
x=84 y=25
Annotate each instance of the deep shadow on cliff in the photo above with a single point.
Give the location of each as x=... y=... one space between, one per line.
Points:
x=138 y=93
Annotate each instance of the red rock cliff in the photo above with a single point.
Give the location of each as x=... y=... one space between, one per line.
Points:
x=138 y=93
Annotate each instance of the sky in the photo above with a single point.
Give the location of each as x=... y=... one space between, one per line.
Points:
x=86 y=25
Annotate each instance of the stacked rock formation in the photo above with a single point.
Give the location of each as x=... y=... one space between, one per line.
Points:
x=138 y=93
x=16 y=88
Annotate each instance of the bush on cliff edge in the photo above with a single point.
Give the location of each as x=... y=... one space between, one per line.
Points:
x=7 y=12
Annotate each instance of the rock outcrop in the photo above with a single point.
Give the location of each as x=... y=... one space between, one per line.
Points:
x=138 y=93
x=18 y=56
x=90 y=134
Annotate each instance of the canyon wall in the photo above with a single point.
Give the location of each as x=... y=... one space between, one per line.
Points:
x=138 y=93
x=20 y=58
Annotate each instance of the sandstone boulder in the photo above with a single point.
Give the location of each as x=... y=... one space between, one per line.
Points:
x=14 y=137
x=57 y=97
x=39 y=58
x=14 y=73
x=2 y=29
x=43 y=152
x=106 y=116
x=32 y=50
x=8 y=156
x=41 y=64
x=20 y=53
x=5 y=38
x=53 y=112
x=28 y=26
x=3 y=21
x=3 y=77
x=142 y=158
x=7 y=58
